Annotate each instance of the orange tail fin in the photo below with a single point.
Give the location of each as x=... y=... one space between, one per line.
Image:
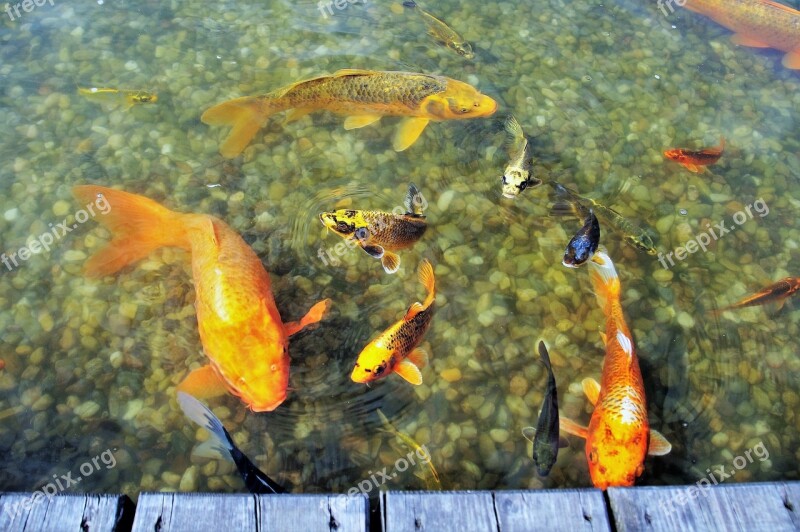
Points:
x=428 y=280
x=139 y=226
x=247 y=115
x=605 y=280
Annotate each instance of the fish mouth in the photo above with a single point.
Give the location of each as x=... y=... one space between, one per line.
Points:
x=509 y=195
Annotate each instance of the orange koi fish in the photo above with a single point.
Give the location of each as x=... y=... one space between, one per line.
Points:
x=395 y=350
x=774 y=293
x=619 y=434
x=696 y=161
x=757 y=24
x=240 y=328
x=364 y=96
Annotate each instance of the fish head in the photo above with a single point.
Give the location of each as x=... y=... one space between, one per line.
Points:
x=145 y=97
x=642 y=242
x=615 y=455
x=373 y=363
x=515 y=180
x=347 y=223
x=675 y=155
x=459 y=101
x=464 y=49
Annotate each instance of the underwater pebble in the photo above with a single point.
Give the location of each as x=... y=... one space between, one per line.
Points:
x=451 y=374
x=87 y=410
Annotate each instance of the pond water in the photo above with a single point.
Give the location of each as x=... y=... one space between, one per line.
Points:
x=601 y=89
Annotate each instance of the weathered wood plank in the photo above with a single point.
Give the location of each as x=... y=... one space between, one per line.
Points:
x=19 y=511
x=745 y=507
x=566 y=510
x=461 y=510
x=213 y=512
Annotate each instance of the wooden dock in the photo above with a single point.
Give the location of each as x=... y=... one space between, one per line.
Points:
x=771 y=507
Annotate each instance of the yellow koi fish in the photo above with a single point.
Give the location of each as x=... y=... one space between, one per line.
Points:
x=431 y=476
x=443 y=33
x=756 y=23
x=364 y=96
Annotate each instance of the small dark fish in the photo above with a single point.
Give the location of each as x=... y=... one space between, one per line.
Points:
x=774 y=293
x=583 y=245
x=545 y=437
x=442 y=33
x=255 y=479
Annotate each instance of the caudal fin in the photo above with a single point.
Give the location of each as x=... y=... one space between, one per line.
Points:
x=605 y=280
x=246 y=115
x=203 y=416
x=428 y=280
x=139 y=226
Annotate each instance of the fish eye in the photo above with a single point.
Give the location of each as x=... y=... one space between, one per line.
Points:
x=342 y=227
x=379 y=369
x=361 y=233
x=522 y=186
x=505 y=181
x=592 y=456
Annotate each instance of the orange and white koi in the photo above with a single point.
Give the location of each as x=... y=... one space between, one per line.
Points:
x=757 y=24
x=364 y=96
x=696 y=161
x=619 y=435
x=240 y=328
x=395 y=350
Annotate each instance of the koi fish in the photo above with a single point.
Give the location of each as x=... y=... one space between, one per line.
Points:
x=573 y=204
x=130 y=97
x=774 y=293
x=544 y=437
x=431 y=476
x=442 y=33
x=240 y=328
x=517 y=175
x=380 y=233
x=619 y=435
x=395 y=350
x=255 y=480
x=756 y=24
x=696 y=161
x=583 y=245
x=364 y=96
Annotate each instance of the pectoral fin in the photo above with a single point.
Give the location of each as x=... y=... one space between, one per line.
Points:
x=659 y=445
x=792 y=60
x=314 y=315
x=374 y=251
x=413 y=310
x=390 y=261
x=409 y=371
x=203 y=383
x=592 y=389
x=358 y=121
x=570 y=427
x=529 y=433
x=751 y=42
x=408 y=133
x=419 y=357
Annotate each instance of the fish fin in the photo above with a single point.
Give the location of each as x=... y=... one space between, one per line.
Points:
x=374 y=251
x=625 y=343
x=413 y=310
x=545 y=356
x=246 y=116
x=570 y=427
x=411 y=203
x=428 y=280
x=693 y=168
x=563 y=208
x=314 y=315
x=203 y=383
x=352 y=72
x=591 y=388
x=203 y=416
x=604 y=338
x=750 y=42
x=419 y=357
x=212 y=449
x=562 y=442
x=390 y=262
x=529 y=433
x=409 y=371
x=138 y=225
x=296 y=114
x=659 y=445
x=792 y=60
x=409 y=131
x=359 y=121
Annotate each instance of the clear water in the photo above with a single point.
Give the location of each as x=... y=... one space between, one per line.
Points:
x=603 y=88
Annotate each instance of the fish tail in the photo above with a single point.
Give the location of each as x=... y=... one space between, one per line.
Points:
x=427 y=279
x=247 y=115
x=513 y=128
x=605 y=280
x=203 y=416
x=139 y=226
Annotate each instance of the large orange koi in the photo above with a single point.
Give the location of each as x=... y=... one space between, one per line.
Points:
x=240 y=327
